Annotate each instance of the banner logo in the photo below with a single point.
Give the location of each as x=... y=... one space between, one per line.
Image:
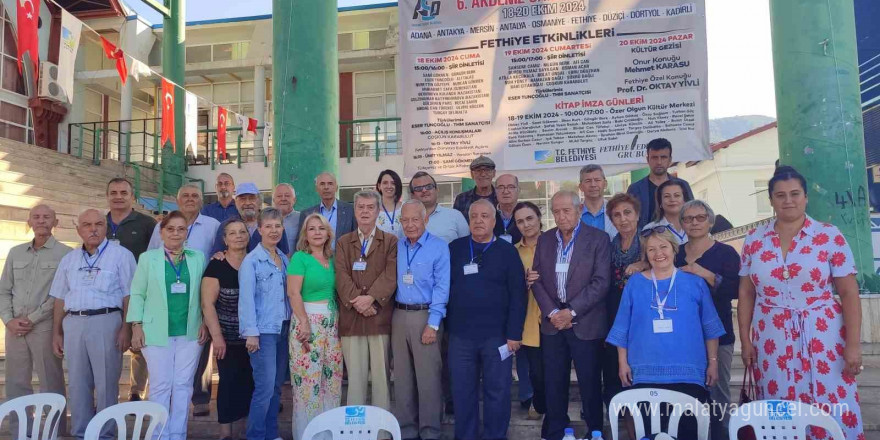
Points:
x=355 y=415
x=427 y=11
x=544 y=156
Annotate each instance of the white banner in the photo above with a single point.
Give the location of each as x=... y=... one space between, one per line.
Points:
x=545 y=84
x=71 y=28
x=191 y=113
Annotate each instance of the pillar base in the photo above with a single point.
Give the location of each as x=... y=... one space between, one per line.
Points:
x=47 y=115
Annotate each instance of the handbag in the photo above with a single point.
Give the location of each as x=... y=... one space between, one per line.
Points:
x=748 y=392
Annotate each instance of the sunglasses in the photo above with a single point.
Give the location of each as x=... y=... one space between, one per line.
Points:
x=428 y=187
x=654 y=230
x=690 y=218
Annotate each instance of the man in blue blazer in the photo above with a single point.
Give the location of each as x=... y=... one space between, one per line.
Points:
x=339 y=214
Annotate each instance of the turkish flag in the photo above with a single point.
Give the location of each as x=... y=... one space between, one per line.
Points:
x=28 y=13
x=221 y=132
x=252 y=126
x=168 y=114
x=114 y=53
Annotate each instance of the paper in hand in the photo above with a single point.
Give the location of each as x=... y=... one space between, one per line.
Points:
x=505 y=352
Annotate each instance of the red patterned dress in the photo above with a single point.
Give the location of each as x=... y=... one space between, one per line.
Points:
x=797 y=327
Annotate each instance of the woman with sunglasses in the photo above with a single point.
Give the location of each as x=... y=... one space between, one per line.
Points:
x=718 y=265
x=671 y=196
x=666 y=330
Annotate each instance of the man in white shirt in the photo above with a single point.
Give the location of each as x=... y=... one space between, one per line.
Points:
x=446 y=223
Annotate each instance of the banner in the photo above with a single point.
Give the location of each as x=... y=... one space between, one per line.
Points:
x=71 y=28
x=138 y=70
x=114 y=53
x=28 y=18
x=191 y=116
x=539 y=85
x=221 y=132
x=168 y=115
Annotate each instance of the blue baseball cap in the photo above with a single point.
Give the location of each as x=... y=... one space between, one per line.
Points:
x=246 y=188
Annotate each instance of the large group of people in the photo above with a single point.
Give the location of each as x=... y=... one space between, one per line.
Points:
x=633 y=291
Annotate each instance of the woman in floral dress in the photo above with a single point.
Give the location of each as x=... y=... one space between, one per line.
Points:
x=315 y=350
x=804 y=343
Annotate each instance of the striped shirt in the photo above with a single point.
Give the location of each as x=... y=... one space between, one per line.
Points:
x=89 y=282
x=563 y=256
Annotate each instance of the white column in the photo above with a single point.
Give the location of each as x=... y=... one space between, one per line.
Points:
x=125 y=115
x=260 y=104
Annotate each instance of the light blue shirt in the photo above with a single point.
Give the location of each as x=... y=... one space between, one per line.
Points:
x=446 y=223
x=332 y=216
x=262 y=293
x=200 y=236
x=89 y=282
x=428 y=261
x=600 y=220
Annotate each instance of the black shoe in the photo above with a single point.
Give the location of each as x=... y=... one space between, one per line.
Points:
x=280 y=408
x=526 y=404
x=134 y=398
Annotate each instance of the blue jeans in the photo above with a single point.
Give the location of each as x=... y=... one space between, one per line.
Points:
x=269 y=364
x=469 y=360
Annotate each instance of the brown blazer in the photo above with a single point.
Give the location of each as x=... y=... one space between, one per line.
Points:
x=589 y=276
x=378 y=281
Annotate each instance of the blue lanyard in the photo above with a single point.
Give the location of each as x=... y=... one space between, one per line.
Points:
x=674 y=232
x=486 y=249
x=189 y=231
x=176 y=269
x=364 y=247
x=568 y=247
x=100 y=252
x=409 y=259
x=390 y=217
x=506 y=222
x=113 y=226
x=332 y=212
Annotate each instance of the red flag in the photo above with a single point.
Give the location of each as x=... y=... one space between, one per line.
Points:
x=28 y=13
x=252 y=126
x=114 y=53
x=221 y=132
x=168 y=114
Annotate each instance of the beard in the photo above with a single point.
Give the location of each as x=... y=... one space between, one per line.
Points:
x=225 y=194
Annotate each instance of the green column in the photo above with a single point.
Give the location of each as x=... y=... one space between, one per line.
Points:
x=174 y=68
x=636 y=175
x=467 y=184
x=819 y=112
x=305 y=86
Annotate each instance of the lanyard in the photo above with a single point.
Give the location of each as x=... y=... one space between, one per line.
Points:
x=674 y=232
x=113 y=226
x=486 y=249
x=176 y=269
x=390 y=216
x=332 y=212
x=364 y=247
x=189 y=231
x=409 y=259
x=506 y=222
x=570 y=244
x=662 y=304
x=100 y=252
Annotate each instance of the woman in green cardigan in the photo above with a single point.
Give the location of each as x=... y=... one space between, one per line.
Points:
x=165 y=312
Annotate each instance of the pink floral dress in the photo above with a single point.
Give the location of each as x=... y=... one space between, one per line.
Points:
x=797 y=327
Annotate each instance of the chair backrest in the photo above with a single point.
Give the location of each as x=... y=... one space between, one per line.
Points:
x=158 y=417
x=48 y=429
x=782 y=418
x=680 y=402
x=354 y=423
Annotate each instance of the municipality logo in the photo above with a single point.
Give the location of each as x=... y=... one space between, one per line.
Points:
x=544 y=156
x=427 y=11
x=355 y=415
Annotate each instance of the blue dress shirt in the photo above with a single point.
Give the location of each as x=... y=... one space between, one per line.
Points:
x=428 y=260
x=200 y=236
x=218 y=212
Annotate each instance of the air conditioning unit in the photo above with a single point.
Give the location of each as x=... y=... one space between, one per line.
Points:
x=49 y=87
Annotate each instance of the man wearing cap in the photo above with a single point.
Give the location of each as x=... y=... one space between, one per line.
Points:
x=248 y=204
x=483 y=172
x=133 y=231
x=224 y=207
x=339 y=214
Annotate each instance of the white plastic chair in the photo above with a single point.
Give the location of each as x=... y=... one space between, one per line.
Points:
x=48 y=430
x=353 y=423
x=158 y=416
x=656 y=397
x=782 y=419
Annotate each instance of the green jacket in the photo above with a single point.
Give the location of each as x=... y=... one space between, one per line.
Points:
x=149 y=297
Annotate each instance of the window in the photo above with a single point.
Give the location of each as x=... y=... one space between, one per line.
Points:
x=217 y=52
x=762 y=199
x=375 y=98
x=198 y=54
x=362 y=40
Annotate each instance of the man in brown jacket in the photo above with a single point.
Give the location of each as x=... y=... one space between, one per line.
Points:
x=366 y=279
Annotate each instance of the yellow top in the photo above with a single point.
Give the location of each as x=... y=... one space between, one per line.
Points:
x=532 y=328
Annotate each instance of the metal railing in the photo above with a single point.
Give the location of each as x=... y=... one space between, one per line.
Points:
x=160 y=179
x=129 y=141
x=371 y=137
x=241 y=147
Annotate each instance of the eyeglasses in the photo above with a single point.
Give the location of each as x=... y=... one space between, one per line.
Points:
x=688 y=219
x=654 y=230
x=428 y=187
x=483 y=170
x=505 y=188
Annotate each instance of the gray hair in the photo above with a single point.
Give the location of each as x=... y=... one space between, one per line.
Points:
x=481 y=202
x=697 y=204
x=287 y=185
x=575 y=198
x=368 y=194
x=269 y=214
x=43 y=205
x=191 y=186
x=325 y=173
x=84 y=212
x=515 y=179
x=416 y=202
x=587 y=169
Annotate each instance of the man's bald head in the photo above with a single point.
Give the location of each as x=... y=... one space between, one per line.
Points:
x=41 y=220
x=325 y=186
x=91 y=226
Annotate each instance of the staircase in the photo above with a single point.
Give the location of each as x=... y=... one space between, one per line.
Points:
x=31 y=175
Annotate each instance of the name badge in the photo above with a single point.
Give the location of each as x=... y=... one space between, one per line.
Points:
x=470 y=269
x=662 y=326
x=507 y=237
x=178 y=287
x=561 y=267
x=114 y=240
x=408 y=278
x=359 y=266
x=89 y=277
